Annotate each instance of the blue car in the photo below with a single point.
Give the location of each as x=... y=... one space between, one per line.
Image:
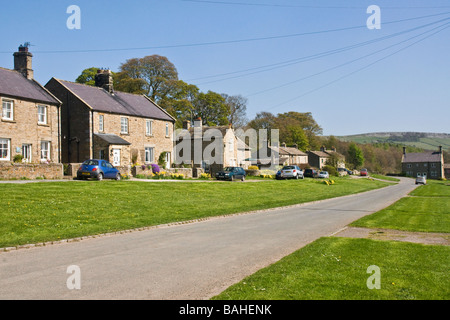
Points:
x=98 y=169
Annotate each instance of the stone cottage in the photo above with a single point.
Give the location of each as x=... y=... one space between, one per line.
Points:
x=423 y=164
x=318 y=159
x=30 y=119
x=123 y=128
x=209 y=148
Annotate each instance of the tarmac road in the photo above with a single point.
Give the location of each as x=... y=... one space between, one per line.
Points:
x=187 y=261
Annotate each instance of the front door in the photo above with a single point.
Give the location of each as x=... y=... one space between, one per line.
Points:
x=116 y=157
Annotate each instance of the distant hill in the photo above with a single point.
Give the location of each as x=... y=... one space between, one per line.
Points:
x=424 y=140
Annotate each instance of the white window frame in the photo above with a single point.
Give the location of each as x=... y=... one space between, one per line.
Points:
x=124 y=125
x=45 y=150
x=42 y=117
x=149 y=154
x=101 y=123
x=167 y=130
x=149 y=127
x=7 y=142
x=27 y=152
x=10 y=103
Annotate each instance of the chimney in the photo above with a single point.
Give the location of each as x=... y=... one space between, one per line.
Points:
x=333 y=148
x=198 y=123
x=322 y=148
x=103 y=79
x=440 y=149
x=186 y=124
x=404 y=150
x=283 y=144
x=230 y=126
x=22 y=61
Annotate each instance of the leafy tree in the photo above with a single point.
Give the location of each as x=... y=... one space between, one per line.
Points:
x=237 y=107
x=87 y=76
x=152 y=75
x=211 y=108
x=355 y=156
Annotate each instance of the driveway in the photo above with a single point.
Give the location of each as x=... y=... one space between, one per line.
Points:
x=188 y=261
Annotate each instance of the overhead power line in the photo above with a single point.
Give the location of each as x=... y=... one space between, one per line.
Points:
x=233 y=3
x=441 y=28
x=234 y=41
x=278 y=65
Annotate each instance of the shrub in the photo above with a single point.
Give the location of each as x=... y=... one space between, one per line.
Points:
x=18 y=158
x=253 y=168
x=155 y=168
x=205 y=176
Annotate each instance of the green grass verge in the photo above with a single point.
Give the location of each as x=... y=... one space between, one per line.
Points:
x=336 y=269
x=44 y=211
x=387 y=178
x=427 y=210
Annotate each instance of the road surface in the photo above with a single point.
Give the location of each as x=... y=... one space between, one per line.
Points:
x=187 y=261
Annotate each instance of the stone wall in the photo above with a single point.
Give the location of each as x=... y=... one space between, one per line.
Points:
x=31 y=171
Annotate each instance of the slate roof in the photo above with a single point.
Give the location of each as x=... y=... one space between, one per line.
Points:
x=112 y=138
x=292 y=151
x=422 y=157
x=14 y=84
x=118 y=102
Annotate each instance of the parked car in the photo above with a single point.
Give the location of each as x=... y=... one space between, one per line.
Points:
x=345 y=170
x=310 y=173
x=98 y=169
x=421 y=180
x=323 y=174
x=364 y=172
x=290 y=172
x=231 y=173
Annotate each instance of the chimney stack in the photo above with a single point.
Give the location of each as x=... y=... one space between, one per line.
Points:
x=440 y=149
x=198 y=123
x=104 y=79
x=186 y=124
x=404 y=150
x=22 y=61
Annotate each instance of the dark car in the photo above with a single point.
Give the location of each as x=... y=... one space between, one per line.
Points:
x=231 y=173
x=288 y=172
x=98 y=169
x=310 y=173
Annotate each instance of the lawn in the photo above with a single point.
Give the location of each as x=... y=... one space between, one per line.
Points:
x=427 y=209
x=46 y=211
x=336 y=269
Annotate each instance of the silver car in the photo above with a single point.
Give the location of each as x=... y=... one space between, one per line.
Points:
x=421 y=180
x=290 y=172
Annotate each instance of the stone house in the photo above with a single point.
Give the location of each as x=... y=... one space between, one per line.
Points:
x=447 y=170
x=123 y=128
x=318 y=159
x=30 y=120
x=209 y=148
x=291 y=155
x=423 y=164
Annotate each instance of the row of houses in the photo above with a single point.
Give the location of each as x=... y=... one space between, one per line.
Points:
x=67 y=122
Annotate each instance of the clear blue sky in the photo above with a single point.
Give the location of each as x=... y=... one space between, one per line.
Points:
x=388 y=84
